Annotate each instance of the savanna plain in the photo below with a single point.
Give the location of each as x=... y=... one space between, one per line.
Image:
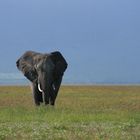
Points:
x=80 y=113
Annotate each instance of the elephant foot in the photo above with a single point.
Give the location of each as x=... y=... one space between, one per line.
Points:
x=37 y=104
x=52 y=103
x=46 y=103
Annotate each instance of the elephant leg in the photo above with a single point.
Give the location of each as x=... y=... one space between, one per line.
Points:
x=52 y=96
x=54 y=90
x=36 y=94
x=46 y=94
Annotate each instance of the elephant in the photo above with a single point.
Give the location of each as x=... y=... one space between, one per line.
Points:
x=45 y=72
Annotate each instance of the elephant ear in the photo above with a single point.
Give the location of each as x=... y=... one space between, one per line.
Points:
x=60 y=63
x=27 y=69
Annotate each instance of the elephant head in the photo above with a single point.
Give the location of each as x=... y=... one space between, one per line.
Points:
x=45 y=71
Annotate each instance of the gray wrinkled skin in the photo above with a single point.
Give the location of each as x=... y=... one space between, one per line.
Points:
x=45 y=71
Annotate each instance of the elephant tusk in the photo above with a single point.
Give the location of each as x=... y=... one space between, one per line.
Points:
x=39 y=88
x=53 y=87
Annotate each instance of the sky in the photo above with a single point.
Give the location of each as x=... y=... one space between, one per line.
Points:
x=100 y=39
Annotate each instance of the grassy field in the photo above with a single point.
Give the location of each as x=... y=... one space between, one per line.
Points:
x=81 y=113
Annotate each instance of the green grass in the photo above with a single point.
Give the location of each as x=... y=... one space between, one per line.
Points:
x=81 y=113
